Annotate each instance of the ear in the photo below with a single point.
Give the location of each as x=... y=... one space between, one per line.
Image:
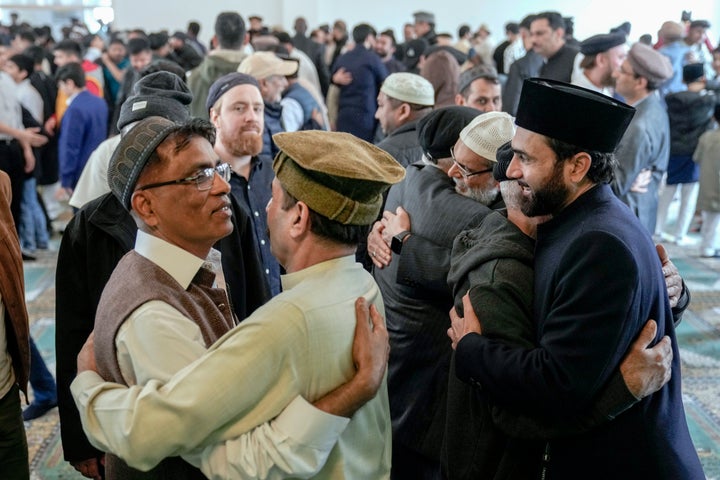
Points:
x=403 y=112
x=263 y=85
x=141 y=203
x=301 y=223
x=459 y=100
x=214 y=116
x=578 y=166
x=600 y=59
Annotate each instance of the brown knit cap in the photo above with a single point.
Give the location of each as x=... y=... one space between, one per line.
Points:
x=336 y=174
x=132 y=154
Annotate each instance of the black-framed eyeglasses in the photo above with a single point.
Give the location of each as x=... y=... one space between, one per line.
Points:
x=463 y=169
x=203 y=180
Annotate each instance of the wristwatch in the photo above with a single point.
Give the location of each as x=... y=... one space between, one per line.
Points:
x=397 y=241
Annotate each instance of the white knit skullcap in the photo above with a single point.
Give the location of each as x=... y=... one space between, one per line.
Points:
x=487 y=132
x=410 y=88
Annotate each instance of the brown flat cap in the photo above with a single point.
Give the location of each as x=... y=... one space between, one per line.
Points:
x=336 y=174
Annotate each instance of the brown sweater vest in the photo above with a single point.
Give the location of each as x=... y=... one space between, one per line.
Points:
x=135 y=281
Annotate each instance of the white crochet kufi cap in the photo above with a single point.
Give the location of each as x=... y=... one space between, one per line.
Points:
x=487 y=133
x=410 y=88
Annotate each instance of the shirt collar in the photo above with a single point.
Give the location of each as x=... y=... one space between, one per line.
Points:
x=178 y=263
x=290 y=280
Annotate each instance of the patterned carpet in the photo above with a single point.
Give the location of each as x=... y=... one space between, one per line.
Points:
x=698 y=337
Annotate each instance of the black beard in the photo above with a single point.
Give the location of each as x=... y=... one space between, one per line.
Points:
x=549 y=199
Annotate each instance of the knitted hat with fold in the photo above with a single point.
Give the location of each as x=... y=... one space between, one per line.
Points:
x=161 y=94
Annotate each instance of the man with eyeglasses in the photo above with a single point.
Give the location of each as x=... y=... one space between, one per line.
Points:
x=423 y=215
x=165 y=303
x=100 y=234
x=473 y=159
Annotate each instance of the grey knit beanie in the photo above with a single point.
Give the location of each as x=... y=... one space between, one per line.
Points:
x=161 y=94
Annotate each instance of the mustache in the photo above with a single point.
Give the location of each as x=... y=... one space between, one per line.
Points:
x=253 y=128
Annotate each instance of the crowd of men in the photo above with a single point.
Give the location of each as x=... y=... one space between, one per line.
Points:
x=268 y=234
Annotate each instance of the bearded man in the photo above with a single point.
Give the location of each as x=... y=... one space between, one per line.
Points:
x=236 y=107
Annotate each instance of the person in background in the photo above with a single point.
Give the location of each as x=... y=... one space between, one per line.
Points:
x=230 y=39
x=236 y=107
x=691 y=114
x=115 y=63
x=357 y=101
x=404 y=99
x=193 y=30
x=83 y=127
x=602 y=56
x=270 y=72
x=424 y=26
x=33 y=225
x=480 y=88
x=548 y=41
x=645 y=146
x=523 y=68
x=707 y=155
x=385 y=46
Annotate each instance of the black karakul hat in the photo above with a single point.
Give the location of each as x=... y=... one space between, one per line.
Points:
x=601 y=43
x=572 y=114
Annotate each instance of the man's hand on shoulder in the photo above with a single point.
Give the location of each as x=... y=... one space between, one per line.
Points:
x=461 y=326
x=646 y=370
x=673 y=280
x=378 y=250
x=371 y=347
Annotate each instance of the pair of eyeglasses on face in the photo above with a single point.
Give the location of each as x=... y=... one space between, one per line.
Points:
x=203 y=179
x=463 y=169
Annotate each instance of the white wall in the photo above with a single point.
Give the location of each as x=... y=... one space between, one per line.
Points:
x=590 y=17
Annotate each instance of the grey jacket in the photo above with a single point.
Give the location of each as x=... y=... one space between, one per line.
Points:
x=645 y=145
x=403 y=144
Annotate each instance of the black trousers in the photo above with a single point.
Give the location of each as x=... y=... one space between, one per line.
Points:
x=12 y=162
x=13 y=443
